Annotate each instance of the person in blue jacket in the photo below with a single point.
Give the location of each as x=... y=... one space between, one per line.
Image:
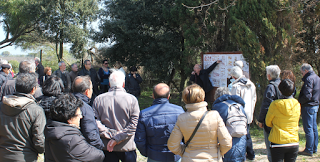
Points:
x=104 y=73
x=155 y=125
x=82 y=89
x=238 y=151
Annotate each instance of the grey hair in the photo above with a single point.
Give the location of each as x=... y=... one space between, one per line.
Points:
x=116 y=79
x=274 y=71
x=60 y=63
x=3 y=62
x=37 y=59
x=221 y=91
x=306 y=66
x=27 y=66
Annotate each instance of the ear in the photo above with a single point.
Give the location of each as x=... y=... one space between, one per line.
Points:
x=153 y=96
x=123 y=85
x=33 y=90
x=168 y=97
x=86 y=92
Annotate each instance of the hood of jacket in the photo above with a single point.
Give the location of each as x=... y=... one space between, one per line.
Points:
x=234 y=98
x=243 y=81
x=83 y=97
x=287 y=107
x=14 y=104
x=56 y=130
x=202 y=106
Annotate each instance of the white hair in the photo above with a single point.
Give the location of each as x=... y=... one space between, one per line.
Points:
x=306 y=66
x=239 y=63
x=221 y=91
x=236 y=72
x=37 y=59
x=273 y=71
x=116 y=79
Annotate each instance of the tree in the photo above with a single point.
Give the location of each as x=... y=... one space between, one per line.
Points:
x=66 y=22
x=19 y=18
x=5 y=53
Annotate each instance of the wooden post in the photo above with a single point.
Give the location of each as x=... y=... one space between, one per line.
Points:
x=40 y=56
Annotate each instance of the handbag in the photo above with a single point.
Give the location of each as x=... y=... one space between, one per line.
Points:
x=185 y=145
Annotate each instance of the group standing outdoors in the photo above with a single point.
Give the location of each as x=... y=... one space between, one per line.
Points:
x=85 y=115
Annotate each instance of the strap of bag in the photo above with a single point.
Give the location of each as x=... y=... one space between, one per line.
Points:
x=195 y=129
x=278 y=93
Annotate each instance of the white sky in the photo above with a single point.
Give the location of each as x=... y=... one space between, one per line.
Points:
x=12 y=49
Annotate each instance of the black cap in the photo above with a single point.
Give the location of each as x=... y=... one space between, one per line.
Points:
x=5 y=66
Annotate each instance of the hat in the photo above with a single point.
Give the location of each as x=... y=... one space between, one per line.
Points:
x=239 y=63
x=236 y=72
x=5 y=66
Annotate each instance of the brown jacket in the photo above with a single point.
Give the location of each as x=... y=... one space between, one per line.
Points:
x=204 y=144
x=117 y=114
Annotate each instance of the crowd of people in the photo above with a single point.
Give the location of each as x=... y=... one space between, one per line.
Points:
x=85 y=115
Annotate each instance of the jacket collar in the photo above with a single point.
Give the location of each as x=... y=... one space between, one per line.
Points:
x=115 y=88
x=197 y=106
x=160 y=101
x=307 y=75
x=234 y=98
x=83 y=97
x=241 y=79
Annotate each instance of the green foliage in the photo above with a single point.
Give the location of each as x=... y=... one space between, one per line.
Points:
x=5 y=53
x=15 y=65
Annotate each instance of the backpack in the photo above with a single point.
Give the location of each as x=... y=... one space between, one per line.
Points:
x=236 y=121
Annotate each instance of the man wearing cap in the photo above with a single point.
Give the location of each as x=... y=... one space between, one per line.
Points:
x=243 y=87
x=5 y=74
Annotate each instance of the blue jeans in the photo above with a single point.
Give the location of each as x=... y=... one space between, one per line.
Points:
x=267 y=142
x=150 y=160
x=238 y=151
x=309 y=119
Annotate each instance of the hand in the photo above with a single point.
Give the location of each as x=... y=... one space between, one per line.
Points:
x=219 y=61
x=192 y=73
x=134 y=75
x=260 y=125
x=111 y=144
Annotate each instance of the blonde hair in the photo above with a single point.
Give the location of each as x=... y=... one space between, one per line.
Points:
x=193 y=94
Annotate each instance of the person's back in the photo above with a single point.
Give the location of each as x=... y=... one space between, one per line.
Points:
x=238 y=143
x=211 y=135
x=22 y=124
x=155 y=125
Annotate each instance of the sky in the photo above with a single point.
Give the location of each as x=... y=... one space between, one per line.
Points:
x=12 y=49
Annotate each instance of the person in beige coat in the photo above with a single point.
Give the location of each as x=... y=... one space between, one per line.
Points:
x=204 y=145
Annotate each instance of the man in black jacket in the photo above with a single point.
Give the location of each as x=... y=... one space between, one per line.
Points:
x=88 y=70
x=133 y=79
x=270 y=94
x=39 y=70
x=201 y=77
x=309 y=100
x=82 y=89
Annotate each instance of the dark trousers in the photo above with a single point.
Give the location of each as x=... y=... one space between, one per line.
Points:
x=130 y=156
x=287 y=154
x=250 y=152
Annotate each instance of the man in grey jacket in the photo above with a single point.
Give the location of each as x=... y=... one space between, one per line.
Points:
x=117 y=114
x=22 y=122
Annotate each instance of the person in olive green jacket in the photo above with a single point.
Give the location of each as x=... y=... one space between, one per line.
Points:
x=283 y=116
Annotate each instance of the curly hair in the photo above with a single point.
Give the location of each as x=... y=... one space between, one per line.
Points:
x=25 y=82
x=64 y=107
x=53 y=86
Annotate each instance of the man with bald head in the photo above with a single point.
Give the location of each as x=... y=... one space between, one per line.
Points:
x=201 y=77
x=82 y=89
x=155 y=126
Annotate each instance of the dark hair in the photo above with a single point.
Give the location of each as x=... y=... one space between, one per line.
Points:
x=53 y=86
x=286 y=87
x=85 y=62
x=104 y=61
x=26 y=67
x=83 y=85
x=25 y=82
x=133 y=68
x=156 y=95
x=64 y=107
